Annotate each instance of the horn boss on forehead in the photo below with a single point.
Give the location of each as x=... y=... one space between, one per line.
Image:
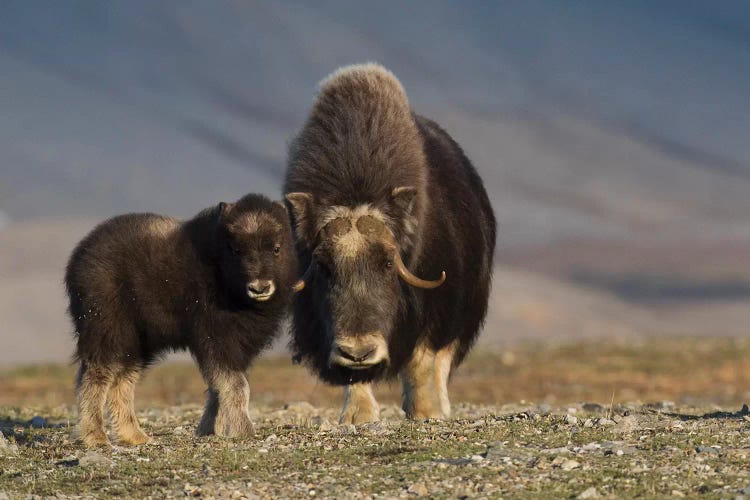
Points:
x=369 y=225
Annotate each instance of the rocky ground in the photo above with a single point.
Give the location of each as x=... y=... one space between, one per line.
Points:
x=584 y=451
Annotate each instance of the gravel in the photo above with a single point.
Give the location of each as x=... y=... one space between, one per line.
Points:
x=484 y=451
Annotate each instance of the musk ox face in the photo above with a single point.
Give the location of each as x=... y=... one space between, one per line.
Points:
x=254 y=251
x=354 y=282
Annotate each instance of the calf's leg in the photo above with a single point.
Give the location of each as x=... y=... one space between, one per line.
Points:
x=227 y=405
x=360 y=405
x=121 y=407
x=92 y=386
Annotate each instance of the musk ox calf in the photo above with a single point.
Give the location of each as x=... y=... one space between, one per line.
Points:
x=142 y=284
x=397 y=234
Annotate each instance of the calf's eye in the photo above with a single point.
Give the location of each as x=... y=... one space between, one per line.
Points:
x=389 y=263
x=277 y=249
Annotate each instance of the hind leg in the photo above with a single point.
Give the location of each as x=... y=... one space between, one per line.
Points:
x=443 y=365
x=121 y=407
x=92 y=387
x=227 y=405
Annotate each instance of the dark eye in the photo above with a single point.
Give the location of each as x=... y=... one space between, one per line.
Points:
x=233 y=249
x=277 y=249
x=389 y=263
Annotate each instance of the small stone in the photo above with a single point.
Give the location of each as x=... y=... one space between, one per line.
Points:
x=628 y=423
x=272 y=437
x=570 y=465
x=38 y=422
x=588 y=423
x=94 y=458
x=262 y=450
x=589 y=493
x=325 y=426
x=707 y=449
x=592 y=407
x=617 y=448
x=571 y=420
x=591 y=447
x=477 y=458
x=677 y=493
x=192 y=491
x=605 y=422
x=375 y=428
x=418 y=489
x=179 y=430
x=556 y=451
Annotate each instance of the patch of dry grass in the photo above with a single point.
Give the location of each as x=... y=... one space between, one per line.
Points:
x=692 y=370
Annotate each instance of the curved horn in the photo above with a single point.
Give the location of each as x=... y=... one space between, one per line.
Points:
x=300 y=285
x=407 y=276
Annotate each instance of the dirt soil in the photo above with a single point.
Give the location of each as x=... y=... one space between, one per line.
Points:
x=660 y=418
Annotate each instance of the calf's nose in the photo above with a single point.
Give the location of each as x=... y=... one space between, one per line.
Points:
x=260 y=288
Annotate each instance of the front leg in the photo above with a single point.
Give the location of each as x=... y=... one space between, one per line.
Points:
x=227 y=405
x=421 y=398
x=360 y=405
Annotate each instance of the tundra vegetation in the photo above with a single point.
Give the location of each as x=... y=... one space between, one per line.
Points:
x=603 y=419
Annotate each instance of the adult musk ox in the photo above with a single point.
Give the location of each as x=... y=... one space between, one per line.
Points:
x=397 y=236
x=141 y=284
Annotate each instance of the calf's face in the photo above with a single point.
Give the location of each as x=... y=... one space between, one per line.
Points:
x=255 y=255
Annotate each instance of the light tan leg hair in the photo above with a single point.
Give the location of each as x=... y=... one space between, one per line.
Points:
x=360 y=405
x=227 y=410
x=443 y=365
x=93 y=384
x=121 y=407
x=425 y=382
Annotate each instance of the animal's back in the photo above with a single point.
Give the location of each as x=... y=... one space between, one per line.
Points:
x=460 y=238
x=116 y=258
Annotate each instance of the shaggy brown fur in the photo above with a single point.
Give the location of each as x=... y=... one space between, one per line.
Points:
x=368 y=181
x=142 y=284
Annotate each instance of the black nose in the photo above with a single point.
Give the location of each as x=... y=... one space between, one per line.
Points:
x=357 y=354
x=259 y=287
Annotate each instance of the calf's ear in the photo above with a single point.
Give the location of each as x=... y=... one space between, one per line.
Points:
x=301 y=209
x=223 y=209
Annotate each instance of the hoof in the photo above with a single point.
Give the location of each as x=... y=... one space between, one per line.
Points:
x=96 y=439
x=135 y=439
x=358 y=416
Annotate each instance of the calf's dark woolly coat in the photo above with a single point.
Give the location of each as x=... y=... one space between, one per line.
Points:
x=217 y=285
x=362 y=160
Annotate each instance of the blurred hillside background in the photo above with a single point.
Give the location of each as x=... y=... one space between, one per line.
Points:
x=612 y=137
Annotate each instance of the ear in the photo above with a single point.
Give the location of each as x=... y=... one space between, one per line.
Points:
x=280 y=204
x=403 y=198
x=223 y=209
x=302 y=211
